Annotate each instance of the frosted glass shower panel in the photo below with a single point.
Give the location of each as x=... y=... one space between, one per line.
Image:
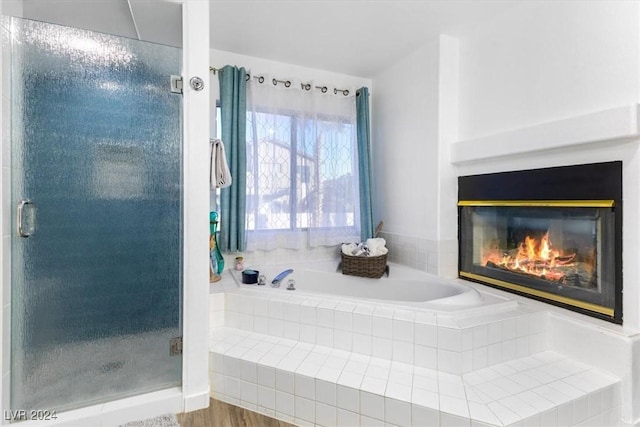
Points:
x=96 y=148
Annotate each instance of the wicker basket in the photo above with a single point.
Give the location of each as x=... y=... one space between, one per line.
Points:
x=364 y=266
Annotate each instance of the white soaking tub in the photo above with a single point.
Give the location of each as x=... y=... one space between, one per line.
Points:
x=404 y=286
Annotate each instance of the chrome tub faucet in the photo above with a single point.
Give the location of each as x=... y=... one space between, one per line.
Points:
x=276 y=280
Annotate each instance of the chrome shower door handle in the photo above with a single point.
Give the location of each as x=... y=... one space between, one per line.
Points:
x=26 y=218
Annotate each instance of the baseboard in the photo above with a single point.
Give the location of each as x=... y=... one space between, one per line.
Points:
x=197 y=401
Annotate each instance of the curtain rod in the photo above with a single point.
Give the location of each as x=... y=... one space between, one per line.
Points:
x=287 y=83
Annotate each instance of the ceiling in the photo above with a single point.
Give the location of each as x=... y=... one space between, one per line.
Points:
x=355 y=37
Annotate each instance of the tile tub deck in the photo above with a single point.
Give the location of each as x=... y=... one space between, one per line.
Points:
x=310 y=384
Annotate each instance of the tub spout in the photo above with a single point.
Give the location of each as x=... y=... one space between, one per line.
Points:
x=276 y=280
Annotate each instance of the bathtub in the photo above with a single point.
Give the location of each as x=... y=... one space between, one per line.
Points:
x=404 y=286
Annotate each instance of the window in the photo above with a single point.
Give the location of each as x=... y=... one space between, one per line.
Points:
x=301 y=168
x=300 y=172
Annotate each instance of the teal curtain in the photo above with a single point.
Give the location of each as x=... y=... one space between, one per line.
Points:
x=233 y=111
x=364 y=163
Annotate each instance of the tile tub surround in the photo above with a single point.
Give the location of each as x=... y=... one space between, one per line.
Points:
x=452 y=347
x=316 y=385
x=431 y=256
x=402 y=334
x=281 y=255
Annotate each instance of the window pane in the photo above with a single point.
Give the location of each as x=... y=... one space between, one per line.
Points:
x=307 y=184
x=326 y=174
x=334 y=144
x=268 y=171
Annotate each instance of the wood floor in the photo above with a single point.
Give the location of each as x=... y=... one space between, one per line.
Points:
x=220 y=414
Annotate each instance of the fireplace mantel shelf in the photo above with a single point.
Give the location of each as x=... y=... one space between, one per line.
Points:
x=609 y=125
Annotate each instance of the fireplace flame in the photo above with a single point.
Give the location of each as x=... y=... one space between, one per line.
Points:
x=538 y=250
x=535 y=256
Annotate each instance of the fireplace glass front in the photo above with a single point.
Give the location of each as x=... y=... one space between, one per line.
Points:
x=562 y=251
x=558 y=251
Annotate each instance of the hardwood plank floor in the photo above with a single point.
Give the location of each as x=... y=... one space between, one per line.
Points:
x=220 y=414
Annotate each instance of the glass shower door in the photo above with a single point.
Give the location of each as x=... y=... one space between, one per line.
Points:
x=96 y=151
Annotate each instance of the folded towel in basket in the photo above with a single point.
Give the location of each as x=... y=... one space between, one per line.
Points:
x=373 y=247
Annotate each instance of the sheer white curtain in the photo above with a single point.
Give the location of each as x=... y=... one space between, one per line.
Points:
x=302 y=176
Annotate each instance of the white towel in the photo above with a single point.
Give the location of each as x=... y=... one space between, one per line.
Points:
x=360 y=249
x=219 y=169
x=349 y=248
x=377 y=246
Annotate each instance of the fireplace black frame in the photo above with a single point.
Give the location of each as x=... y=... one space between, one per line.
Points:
x=565 y=184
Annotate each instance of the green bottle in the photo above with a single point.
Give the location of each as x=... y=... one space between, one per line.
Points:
x=216 y=259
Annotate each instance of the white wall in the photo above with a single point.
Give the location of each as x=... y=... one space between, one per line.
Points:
x=537 y=63
x=405 y=144
x=196 y=117
x=405 y=158
x=547 y=61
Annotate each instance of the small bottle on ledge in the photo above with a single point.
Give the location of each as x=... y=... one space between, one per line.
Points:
x=216 y=261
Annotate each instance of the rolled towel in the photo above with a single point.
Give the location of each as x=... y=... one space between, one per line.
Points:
x=377 y=246
x=348 y=248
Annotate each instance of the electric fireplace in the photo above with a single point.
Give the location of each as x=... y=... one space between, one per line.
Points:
x=552 y=234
